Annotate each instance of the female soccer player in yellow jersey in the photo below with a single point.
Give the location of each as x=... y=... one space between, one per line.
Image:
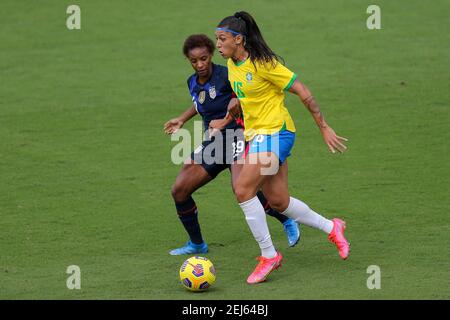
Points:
x=211 y=95
x=259 y=80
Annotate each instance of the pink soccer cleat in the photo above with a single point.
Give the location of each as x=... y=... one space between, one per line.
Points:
x=264 y=268
x=337 y=237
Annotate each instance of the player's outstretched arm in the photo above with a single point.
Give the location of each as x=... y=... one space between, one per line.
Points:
x=174 y=124
x=333 y=141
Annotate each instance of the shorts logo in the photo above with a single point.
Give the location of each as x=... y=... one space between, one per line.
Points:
x=259 y=138
x=249 y=76
x=212 y=92
x=201 y=97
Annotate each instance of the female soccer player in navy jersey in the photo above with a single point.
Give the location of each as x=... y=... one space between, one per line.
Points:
x=260 y=80
x=211 y=94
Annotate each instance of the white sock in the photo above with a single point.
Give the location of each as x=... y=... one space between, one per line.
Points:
x=256 y=220
x=301 y=213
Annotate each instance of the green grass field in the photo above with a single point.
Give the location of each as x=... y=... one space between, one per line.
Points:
x=85 y=168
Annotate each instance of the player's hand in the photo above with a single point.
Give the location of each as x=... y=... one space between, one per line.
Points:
x=216 y=125
x=172 y=125
x=234 y=108
x=333 y=141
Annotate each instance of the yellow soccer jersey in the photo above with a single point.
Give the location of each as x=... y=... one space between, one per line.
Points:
x=261 y=93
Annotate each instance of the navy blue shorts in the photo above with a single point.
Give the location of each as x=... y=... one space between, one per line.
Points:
x=219 y=152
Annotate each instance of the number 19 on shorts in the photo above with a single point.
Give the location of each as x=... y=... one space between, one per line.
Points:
x=238 y=148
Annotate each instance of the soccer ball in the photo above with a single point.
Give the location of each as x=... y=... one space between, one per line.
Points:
x=197 y=273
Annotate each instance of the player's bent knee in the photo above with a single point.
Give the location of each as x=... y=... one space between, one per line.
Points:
x=180 y=193
x=243 y=194
x=279 y=204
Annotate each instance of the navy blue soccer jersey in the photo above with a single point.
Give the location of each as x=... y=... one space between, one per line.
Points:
x=211 y=98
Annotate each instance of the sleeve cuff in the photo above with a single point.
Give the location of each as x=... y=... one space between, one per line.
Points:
x=289 y=85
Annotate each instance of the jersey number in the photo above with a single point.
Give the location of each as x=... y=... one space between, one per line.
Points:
x=237 y=89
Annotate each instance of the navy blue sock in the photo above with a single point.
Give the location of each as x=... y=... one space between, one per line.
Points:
x=280 y=217
x=187 y=212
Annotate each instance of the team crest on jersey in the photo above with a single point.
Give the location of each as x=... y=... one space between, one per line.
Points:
x=212 y=92
x=249 y=76
x=201 y=97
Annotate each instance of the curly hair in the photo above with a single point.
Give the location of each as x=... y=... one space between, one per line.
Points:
x=198 y=41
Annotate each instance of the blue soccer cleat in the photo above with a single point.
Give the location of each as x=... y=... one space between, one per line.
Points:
x=190 y=248
x=292 y=230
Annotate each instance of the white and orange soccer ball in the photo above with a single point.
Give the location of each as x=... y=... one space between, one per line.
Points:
x=197 y=273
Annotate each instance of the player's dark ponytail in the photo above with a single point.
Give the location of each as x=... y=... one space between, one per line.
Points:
x=243 y=23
